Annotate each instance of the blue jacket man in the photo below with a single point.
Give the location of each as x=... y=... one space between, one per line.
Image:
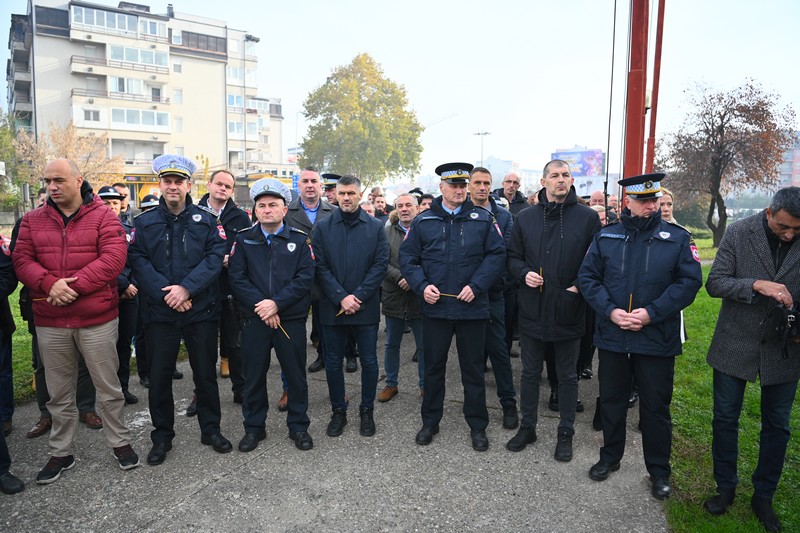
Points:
x=451 y=257
x=176 y=253
x=352 y=258
x=637 y=276
x=271 y=271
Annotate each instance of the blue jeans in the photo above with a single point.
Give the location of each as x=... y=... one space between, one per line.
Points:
x=776 y=407
x=336 y=347
x=497 y=351
x=391 y=357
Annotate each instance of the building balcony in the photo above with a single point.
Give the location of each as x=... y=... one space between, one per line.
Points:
x=19 y=73
x=86 y=32
x=21 y=104
x=120 y=96
x=106 y=67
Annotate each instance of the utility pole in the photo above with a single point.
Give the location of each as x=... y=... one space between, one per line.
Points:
x=482 y=134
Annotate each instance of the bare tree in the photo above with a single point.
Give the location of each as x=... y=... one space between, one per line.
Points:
x=730 y=141
x=90 y=152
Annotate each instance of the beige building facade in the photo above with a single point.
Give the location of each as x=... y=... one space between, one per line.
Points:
x=155 y=83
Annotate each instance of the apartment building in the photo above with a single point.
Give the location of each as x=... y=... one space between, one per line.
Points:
x=155 y=83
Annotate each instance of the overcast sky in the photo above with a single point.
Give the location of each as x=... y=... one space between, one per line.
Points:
x=535 y=74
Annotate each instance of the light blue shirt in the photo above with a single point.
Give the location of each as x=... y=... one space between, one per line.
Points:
x=311 y=213
x=453 y=212
x=267 y=235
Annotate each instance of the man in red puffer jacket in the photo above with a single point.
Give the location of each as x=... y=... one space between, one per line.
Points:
x=69 y=253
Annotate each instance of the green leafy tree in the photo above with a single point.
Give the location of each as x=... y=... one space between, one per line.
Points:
x=361 y=125
x=729 y=142
x=10 y=195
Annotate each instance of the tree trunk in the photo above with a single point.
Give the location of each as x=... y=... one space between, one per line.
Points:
x=718 y=230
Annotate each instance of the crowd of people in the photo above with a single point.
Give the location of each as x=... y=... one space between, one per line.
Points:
x=572 y=275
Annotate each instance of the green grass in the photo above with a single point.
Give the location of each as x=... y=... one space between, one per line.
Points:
x=691 y=454
x=21 y=342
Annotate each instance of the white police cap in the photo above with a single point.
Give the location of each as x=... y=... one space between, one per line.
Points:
x=272 y=187
x=177 y=165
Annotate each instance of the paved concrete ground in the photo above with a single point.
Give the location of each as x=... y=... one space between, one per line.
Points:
x=349 y=483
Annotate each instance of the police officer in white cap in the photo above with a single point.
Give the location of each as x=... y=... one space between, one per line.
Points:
x=271 y=269
x=176 y=253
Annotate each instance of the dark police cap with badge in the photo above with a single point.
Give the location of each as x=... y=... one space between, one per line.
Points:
x=270 y=187
x=174 y=165
x=107 y=192
x=330 y=180
x=151 y=200
x=643 y=187
x=455 y=173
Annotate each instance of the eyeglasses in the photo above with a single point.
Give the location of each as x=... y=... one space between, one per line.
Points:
x=514 y=182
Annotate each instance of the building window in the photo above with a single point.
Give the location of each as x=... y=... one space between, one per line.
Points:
x=117 y=22
x=177 y=96
x=139 y=117
x=177 y=37
x=152 y=27
x=233 y=46
x=177 y=66
x=252 y=129
x=179 y=150
x=235 y=75
x=235 y=100
x=235 y=128
x=91 y=115
x=136 y=55
x=177 y=123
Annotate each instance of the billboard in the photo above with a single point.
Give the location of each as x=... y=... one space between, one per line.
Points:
x=583 y=163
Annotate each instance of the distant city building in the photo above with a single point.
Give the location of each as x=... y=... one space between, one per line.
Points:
x=155 y=83
x=790 y=168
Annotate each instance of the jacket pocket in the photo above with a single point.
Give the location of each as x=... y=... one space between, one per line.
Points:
x=570 y=308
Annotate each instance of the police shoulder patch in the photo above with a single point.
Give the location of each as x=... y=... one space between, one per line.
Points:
x=291 y=246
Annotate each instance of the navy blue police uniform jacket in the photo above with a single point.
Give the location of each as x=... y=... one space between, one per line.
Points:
x=282 y=272
x=451 y=252
x=351 y=259
x=647 y=263
x=184 y=249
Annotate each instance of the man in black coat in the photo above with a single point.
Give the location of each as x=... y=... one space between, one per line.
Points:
x=547 y=245
x=219 y=202
x=352 y=257
x=510 y=191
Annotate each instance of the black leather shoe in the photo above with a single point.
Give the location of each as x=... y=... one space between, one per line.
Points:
x=302 y=440
x=317 y=365
x=10 y=484
x=337 y=423
x=510 y=418
x=633 y=398
x=579 y=408
x=479 y=441
x=351 y=365
x=563 y=447
x=660 y=489
x=552 y=403
x=425 y=435
x=237 y=398
x=130 y=398
x=719 y=504
x=367 y=428
x=525 y=435
x=218 y=442
x=601 y=470
x=250 y=441
x=177 y=374
x=192 y=409
x=145 y=382
x=158 y=453
x=762 y=507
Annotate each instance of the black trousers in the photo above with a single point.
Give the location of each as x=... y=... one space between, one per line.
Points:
x=229 y=343
x=142 y=362
x=470 y=341
x=163 y=343
x=258 y=340
x=655 y=376
x=128 y=316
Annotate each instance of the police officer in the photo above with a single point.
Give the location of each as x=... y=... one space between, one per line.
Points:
x=128 y=299
x=451 y=257
x=176 y=253
x=271 y=272
x=637 y=275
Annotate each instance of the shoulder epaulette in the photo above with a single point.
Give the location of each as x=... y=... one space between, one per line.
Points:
x=678 y=225
x=207 y=209
x=297 y=230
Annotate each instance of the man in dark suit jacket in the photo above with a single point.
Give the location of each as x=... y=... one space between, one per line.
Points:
x=305 y=212
x=352 y=257
x=757 y=275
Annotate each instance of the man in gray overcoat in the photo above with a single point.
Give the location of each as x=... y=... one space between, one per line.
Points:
x=757 y=275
